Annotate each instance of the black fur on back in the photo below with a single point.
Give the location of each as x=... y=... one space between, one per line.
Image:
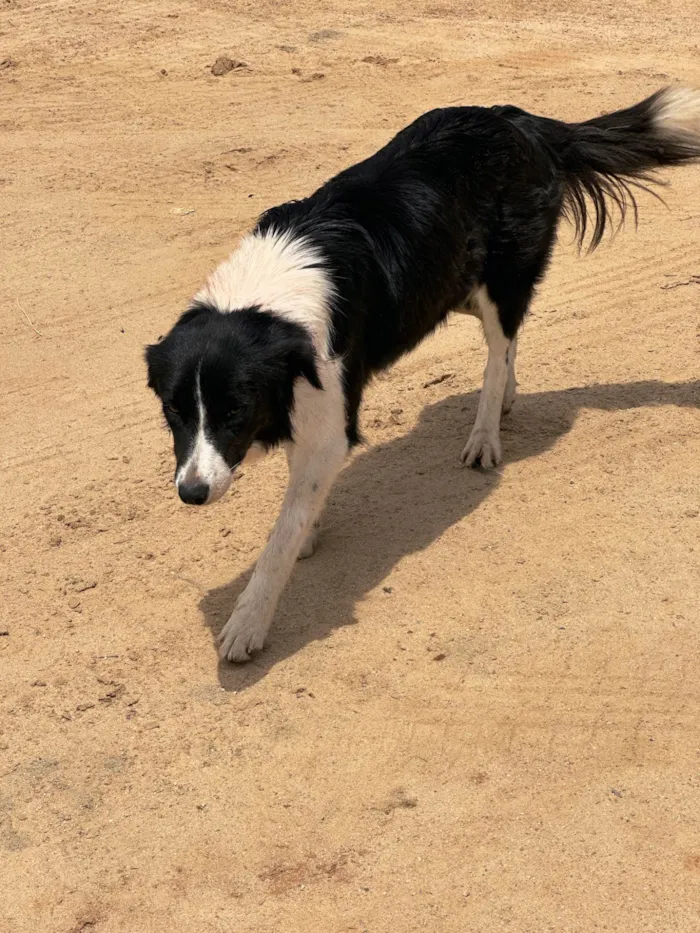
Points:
x=464 y=197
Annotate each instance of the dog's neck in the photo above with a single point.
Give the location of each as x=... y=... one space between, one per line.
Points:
x=279 y=273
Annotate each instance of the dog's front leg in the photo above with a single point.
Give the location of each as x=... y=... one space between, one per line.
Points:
x=313 y=469
x=315 y=459
x=308 y=548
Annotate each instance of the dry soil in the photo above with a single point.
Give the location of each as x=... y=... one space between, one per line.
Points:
x=479 y=707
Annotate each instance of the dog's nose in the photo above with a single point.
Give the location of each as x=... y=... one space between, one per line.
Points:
x=193 y=493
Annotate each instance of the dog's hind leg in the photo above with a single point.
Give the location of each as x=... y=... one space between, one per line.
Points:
x=484 y=444
x=472 y=308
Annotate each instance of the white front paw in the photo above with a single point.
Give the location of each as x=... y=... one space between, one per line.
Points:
x=483 y=448
x=245 y=631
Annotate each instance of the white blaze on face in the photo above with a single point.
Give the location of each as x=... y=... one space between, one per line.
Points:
x=205 y=465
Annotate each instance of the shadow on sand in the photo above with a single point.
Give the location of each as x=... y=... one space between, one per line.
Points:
x=399 y=497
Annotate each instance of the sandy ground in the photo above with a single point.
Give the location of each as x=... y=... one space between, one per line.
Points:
x=479 y=706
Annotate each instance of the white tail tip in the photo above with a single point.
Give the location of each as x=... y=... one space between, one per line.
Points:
x=678 y=111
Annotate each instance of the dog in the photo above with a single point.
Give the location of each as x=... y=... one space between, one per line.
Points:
x=457 y=213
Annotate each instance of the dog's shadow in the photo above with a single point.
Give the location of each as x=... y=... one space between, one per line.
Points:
x=398 y=497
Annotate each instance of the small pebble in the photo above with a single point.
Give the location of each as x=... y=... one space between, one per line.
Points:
x=224 y=64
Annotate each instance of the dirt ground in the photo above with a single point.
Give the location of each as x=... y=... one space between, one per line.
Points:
x=479 y=708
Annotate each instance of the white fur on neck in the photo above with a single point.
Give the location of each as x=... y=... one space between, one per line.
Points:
x=280 y=273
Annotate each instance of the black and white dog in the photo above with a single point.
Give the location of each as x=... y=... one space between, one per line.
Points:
x=457 y=213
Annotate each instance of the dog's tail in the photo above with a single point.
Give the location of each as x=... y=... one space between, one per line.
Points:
x=606 y=158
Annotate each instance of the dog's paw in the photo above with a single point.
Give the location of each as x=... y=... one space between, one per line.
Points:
x=482 y=449
x=244 y=632
x=309 y=546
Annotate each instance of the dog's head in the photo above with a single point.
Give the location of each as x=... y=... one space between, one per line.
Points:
x=226 y=383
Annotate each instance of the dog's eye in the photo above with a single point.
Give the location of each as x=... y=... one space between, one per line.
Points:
x=172 y=409
x=233 y=413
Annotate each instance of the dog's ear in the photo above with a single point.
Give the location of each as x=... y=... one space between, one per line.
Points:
x=157 y=354
x=284 y=349
x=156 y=358
x=197 y=313
x=295 y=353
x=302 y=361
